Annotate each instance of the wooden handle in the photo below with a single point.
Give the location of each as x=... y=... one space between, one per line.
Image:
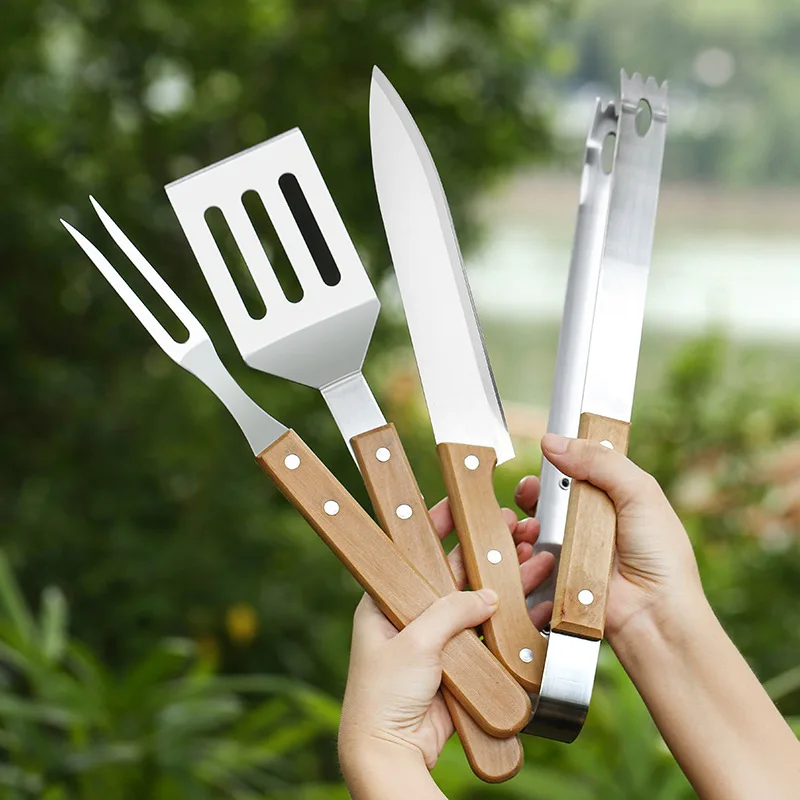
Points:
x=403 y=515
x=587 y=554
x=490 y=558
x=398 y=589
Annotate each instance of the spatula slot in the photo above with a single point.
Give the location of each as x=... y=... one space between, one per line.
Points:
x=235 y=262
x=281 y=266
x=309 y=229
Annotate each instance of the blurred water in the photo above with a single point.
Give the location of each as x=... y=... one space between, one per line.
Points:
x=746 y=281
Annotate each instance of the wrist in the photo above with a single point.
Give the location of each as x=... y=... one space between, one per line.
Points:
x=382 y=769
x=673 y=624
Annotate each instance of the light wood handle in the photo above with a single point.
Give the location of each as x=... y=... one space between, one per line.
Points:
x=490 y=558
x=403 y=515
x=587 y=553
x=468 y=669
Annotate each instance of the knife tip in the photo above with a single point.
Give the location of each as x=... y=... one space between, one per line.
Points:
x=381 y=83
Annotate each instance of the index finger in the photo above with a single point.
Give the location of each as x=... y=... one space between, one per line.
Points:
x=442 y=518
x=526 y=495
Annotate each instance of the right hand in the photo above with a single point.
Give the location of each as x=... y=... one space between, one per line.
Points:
x=655 y=570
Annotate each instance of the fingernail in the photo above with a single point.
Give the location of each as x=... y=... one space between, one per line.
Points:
x=489 y=596
x=518 y=490
x=555 y=443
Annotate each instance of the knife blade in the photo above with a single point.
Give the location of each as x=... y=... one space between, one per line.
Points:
x=581 y=594
x=460 y=392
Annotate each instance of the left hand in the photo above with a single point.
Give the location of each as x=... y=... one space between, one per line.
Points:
x=655 y=573
x=392 y=693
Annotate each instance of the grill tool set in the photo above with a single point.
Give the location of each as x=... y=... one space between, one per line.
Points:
x=520 y=679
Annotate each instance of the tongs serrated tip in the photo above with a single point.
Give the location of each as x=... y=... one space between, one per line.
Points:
x=635 y=88
x=603 y=122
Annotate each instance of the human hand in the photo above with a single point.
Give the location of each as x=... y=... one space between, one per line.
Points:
x=392 y=697
x=655 y=570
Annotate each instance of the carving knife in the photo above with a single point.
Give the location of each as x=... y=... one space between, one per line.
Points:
x=460 y=392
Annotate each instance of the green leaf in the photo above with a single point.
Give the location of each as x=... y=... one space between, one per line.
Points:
x=193 y=716
x=17 y=708
x=53 y=624
x=107 y=754
x=167 y=660
x=13 y=604
x=16 y=778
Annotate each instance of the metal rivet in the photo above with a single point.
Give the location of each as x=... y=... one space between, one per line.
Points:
x=292 y=461
x=526 y=655
x=494 y=556
x=607 y=444
x=331 y=508
x=383 y=454
x=403 y=511
x=472 y=462
x=585 y=597
x=564 y=484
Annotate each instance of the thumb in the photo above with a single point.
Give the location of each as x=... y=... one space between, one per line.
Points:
x=446 y=617
x=585 y=460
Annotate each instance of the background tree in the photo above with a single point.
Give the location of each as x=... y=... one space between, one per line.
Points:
x=123 y=481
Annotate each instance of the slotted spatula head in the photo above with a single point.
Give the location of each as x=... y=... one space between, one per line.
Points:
x=324 y=336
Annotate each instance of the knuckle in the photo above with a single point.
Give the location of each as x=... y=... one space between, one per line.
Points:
x=415 y=640
x=639 y=489
x=650 y=484
x=590 y=453
x=454 y=602
x=651 y=488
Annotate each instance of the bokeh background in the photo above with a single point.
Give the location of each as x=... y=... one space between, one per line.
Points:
x=169 y=626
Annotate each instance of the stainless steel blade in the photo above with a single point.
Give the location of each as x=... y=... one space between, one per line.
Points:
x=196 y=354
x=622 y=288
x=322 y=339
x=575 y=333
x=613 y=358
x=457 y=380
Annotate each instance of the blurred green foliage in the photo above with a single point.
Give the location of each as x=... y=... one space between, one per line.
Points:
x=727 y=455
x=733 y=73
x=165 y=727
x=124 y=481
x=125 y=484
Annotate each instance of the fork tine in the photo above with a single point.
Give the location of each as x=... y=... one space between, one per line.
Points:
x=172 y=348
x=174 y=302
